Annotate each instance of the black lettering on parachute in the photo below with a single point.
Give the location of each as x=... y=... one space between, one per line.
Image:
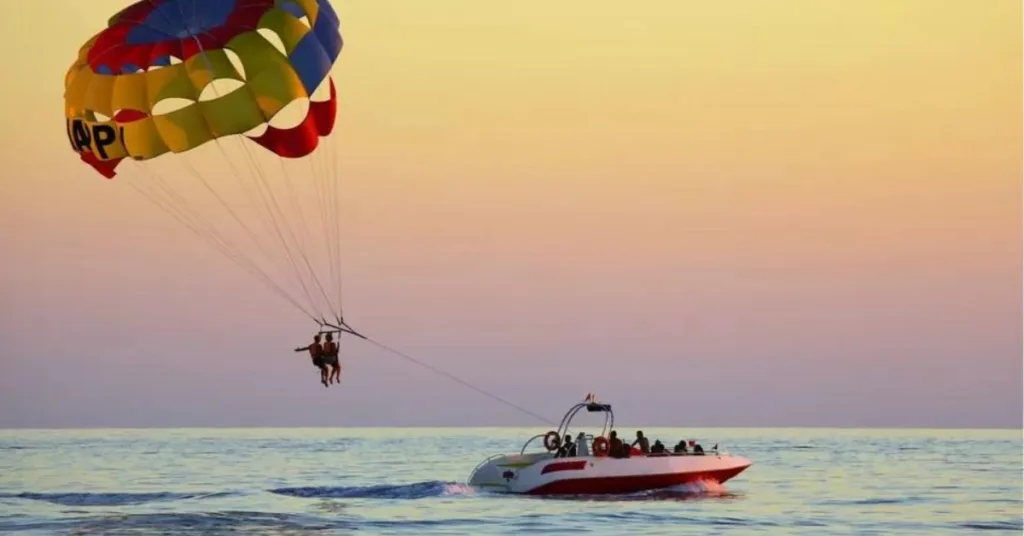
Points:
x=103 y=135
x=93 y=137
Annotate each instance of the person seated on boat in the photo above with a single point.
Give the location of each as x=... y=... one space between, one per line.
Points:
x=614 y=445
x=316 y=352
x=698 y=450
x=680 y=447
x=658 y=448
x=567 y=449
x=645 y=445
x=581 y=445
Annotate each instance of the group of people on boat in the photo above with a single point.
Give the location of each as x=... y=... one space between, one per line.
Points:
x=325 y=358
x=619 y=449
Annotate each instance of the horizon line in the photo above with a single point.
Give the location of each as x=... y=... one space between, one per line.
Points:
x=421 y=426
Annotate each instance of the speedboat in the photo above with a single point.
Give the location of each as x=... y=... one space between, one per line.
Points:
x=594 y=470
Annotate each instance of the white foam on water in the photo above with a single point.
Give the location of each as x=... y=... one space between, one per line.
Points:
x=454 y=488
x=701 y=487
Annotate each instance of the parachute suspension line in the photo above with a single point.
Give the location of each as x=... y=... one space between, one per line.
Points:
x=273 y=213
x=328 y=216
x=335 y=183
x=453 y=378
x=269 y=216
x=304 y=235
x=218 y=243
x=266 y=195
x=195 y=223
x=199 y=176
x=319 y=184
x=221 y=243
x=273 y=201
x=192 y=218
x=268 y=221
x=332 y=225
x=276 y=206
x=195 y=173
x=249 y=232
x=272 y=205
x=325 y=179
x=305 y=258
x=291 y=193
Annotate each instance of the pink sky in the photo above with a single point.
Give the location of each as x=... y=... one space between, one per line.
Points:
x=763 y=217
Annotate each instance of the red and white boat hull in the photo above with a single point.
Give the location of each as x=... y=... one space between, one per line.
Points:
x=542 y=474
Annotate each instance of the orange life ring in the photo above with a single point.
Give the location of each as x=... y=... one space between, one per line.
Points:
x=601 y=446
x=552 y=441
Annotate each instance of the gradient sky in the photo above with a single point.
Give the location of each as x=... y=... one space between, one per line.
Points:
x=735 y=213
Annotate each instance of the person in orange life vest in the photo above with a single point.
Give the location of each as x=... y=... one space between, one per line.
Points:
x=331 y=359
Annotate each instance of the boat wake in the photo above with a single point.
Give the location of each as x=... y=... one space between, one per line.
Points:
x=104 y=512
x=419 y=490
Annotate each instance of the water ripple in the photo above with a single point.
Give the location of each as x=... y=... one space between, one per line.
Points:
x=310 y=481
x=108 y=499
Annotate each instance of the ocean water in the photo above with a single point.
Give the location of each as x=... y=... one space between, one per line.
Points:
x=412 y=481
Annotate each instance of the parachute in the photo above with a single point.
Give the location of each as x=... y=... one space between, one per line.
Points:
x=198 y=99
x=185 y=92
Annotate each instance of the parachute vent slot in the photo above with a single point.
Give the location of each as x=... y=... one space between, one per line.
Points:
x=219 y=88
x=236 y=62
x=171 y=105
x=274 y=39
x=292 y=115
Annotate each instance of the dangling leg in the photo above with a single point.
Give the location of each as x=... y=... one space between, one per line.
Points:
x=319 y=364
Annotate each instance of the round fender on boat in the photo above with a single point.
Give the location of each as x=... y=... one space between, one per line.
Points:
x=601 y=446
x=552 y=441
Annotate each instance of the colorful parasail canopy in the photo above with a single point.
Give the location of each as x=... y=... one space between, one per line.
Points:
x=165 y=78
x=166 y=50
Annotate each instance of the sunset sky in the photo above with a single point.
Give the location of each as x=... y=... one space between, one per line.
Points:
x=744 y=213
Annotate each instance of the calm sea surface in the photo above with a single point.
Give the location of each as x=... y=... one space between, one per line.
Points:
x=412 y=481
